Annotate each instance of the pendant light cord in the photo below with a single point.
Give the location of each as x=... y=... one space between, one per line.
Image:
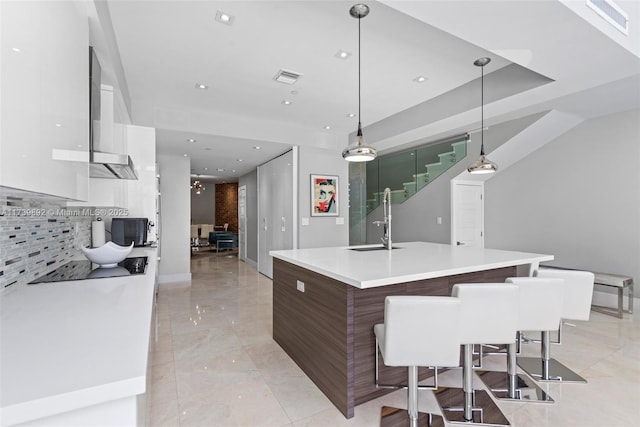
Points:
x=359 y=80
x=482 y=110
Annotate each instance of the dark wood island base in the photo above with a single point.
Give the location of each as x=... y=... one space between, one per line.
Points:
x=327 y=329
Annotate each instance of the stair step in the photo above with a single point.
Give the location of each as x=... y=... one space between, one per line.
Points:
x=410 y=188
x=448 y=158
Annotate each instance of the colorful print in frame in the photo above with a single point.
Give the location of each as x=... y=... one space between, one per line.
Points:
x=324 y=195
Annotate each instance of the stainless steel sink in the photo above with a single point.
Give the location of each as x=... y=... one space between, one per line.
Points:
x=372 y=248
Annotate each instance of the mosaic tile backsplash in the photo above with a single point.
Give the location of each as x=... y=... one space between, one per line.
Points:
x=38 y=236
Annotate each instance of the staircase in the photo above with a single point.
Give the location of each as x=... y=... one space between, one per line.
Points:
x=408 y=172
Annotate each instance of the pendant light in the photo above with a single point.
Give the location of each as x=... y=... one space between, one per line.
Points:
x=197 y=185
x=483 y=165
x=359 y=151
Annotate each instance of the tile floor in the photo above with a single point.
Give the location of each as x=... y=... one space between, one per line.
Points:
x=214 y=364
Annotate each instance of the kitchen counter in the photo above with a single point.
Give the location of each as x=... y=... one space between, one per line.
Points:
x=76 y=352
x=408 y=262
x=327 y=300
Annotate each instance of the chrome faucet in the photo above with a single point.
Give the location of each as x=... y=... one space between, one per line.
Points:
x=386 y=207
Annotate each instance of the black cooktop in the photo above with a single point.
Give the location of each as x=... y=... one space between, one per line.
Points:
x=85 y=269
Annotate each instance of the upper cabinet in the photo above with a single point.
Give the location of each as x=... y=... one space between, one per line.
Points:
x=143 y=192
x=45 y=98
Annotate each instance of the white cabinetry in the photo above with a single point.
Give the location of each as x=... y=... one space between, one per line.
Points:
x=45 y=98
x=105 y=193
x=142 y=193
x=113 y=119
x=137 y=196
x=108 y=192
x=276 y=209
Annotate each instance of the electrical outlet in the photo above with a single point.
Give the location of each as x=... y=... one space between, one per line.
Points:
x=300 y=286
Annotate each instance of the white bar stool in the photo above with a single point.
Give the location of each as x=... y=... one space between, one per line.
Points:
x=417 y=331
x=576 y=305
x=488 y=315
x=539 y=307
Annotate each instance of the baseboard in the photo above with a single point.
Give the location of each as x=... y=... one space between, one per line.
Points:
x=174 y=281
x=251 y=262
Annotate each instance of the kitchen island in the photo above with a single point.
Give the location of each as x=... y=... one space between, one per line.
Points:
x=76 y=352
x=326 y=301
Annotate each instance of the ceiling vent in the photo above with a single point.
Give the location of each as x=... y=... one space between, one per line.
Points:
x=287 y=77
x=612 y=13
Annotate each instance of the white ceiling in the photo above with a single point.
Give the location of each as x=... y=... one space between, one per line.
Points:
x=167 y=46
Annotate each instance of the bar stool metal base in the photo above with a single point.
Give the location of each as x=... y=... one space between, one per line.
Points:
x=485 y=411
x=396 y=417
x=557 y=371
x=526 y=390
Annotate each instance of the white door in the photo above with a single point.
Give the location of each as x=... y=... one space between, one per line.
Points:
x=467 y=213
x=242 y=222
x=264 y=218
x=275 y=209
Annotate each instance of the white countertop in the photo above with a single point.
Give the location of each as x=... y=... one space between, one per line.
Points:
x=69 y=345
x=411 y=261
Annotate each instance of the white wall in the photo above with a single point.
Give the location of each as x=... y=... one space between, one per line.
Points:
x=322 y=231
x=175 y=214
x=577 y=198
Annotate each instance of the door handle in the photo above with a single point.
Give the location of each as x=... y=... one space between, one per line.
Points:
x=459 y=243
x=264 y=221
x=284 y=221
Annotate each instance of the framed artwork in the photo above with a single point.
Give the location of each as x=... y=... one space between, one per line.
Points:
x=324 y=195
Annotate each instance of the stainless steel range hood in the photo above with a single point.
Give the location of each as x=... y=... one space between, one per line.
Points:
x=111 y=165
x=103 y=164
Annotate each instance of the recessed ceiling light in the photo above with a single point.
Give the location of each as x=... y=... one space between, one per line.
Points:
x=224 y=18
x=240 y=160
x=15 y=49
x=257 y=147
x=327 y=127
x=233 y=170
x=206 y=169
x=185 y=155
x=58 y=125
x=420 y=79
x=342 y=54
x=220 y=170
x=201 y=86
x=285 y=102
x=191 y=140
x=351 y=115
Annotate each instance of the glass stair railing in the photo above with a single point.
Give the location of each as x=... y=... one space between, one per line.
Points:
x=408 y=172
